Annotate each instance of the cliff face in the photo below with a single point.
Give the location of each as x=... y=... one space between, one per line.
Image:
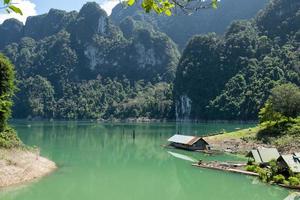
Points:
x=59 y=53
x=99 y=45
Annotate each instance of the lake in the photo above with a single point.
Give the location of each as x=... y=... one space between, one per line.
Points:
x=103 y=161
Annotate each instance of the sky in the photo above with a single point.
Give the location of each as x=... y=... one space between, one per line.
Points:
x=36 y=7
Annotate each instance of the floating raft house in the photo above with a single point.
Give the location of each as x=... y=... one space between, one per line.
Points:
x=191 y=143
x=264 y=155
x=290 y=162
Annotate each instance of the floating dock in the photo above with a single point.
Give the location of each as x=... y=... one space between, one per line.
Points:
x=228 y=167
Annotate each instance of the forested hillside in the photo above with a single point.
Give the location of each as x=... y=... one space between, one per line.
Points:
x=182 y=26
x=81 y=66
x=230 y=77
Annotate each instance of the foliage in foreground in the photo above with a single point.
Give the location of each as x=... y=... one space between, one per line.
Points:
x=9 y=6
x=8 y=137
x=166 y=6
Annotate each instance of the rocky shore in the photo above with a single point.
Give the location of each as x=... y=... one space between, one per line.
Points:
x=18 y=166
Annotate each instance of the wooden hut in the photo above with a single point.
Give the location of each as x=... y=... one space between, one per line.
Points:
x=289 y=162
x=191 y=143
x=264 y=155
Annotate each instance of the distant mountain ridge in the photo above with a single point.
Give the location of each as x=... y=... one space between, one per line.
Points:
x=181 y=27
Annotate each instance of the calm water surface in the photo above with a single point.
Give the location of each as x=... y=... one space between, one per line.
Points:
x=102 y=161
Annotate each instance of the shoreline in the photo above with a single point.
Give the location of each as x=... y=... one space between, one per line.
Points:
x=136 y=120
x=244 y=140
x=236 y=142
x=19 y=166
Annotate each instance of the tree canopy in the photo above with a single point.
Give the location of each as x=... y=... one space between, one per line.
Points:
x=284 y=100
x=167 y=6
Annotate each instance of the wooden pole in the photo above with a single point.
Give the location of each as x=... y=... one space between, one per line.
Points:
x=133 y=134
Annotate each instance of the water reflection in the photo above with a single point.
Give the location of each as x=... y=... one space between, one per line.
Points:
x=103 y=161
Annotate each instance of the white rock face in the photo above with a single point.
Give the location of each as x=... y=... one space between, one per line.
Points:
x=183 y=108
x=102 y=25
x=145 y=56
x=94 y=56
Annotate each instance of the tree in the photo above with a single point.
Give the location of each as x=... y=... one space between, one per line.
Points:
x=285 y=99
x=166 y=6
x=7 y=89
x=8 y=137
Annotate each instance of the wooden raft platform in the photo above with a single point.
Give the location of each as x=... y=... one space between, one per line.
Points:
x=218 y=166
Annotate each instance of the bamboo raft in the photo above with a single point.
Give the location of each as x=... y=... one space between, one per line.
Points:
x=222 y=167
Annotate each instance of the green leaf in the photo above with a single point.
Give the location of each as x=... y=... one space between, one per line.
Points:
x=130 y=2
x=168 y=12
x=214 y=4
x=147 y=5
x=15 y=9
x=7 y=1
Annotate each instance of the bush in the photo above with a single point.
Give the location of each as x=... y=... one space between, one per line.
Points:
x=279 y=178
x=294 y=181
x=250 y=162
x=264 y=174
x=273 y=166
x=9 y=138
x=251 y=168
x=285 y=182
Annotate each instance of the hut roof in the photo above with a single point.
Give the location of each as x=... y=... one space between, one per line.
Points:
x=292 y=162
x=264 y=155
x=185 y=139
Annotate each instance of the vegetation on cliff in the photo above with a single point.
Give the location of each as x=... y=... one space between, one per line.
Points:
x=8 y=137
x=109 y=69
x=82 y=66
x=231 y=77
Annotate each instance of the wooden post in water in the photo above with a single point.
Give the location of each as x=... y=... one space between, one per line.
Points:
x=133 y=134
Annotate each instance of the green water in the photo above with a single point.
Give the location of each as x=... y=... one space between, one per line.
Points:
x=102 y=161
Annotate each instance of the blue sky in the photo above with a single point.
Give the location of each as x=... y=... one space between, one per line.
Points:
x=35 y=7
x=43 y=6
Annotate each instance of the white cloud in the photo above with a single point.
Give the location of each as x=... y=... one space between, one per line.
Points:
x=108 y=5
x=27 y=7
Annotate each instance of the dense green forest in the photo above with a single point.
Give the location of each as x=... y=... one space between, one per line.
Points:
x=81 y=66
x=231 y=77
x=84 y=65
